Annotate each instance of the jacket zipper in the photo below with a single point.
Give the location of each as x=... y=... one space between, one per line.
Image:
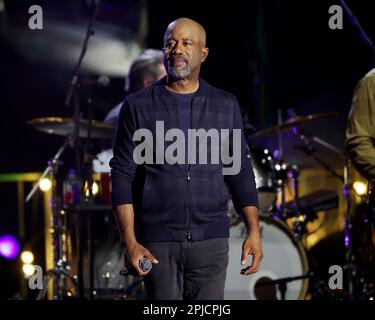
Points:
x=187 y=172
x=188 y=232
x=188 y=177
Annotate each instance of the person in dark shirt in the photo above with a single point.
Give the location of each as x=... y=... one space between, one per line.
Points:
x=180 y=221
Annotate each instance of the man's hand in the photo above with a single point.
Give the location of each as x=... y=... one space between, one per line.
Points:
x=252 y=246
x=136 y=252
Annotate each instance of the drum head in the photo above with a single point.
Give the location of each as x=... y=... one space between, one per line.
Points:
x=283 y=257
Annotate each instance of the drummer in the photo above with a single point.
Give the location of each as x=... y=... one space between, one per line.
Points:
x=146 y=68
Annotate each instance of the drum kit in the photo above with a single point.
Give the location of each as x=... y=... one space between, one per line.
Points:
x=288 y=270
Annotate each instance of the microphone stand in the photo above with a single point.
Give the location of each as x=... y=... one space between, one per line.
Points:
x=282 y=283
x=72 y=93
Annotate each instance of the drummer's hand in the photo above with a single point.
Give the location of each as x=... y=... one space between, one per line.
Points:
x=252 y=246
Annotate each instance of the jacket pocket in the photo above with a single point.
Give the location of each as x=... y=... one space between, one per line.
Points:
x=209 y=198
x=163 y=200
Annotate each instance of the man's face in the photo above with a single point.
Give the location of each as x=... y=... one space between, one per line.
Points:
x=184 y=50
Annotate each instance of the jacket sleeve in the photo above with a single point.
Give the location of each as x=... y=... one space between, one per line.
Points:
x=242 y=185
x=123 y=167
x=360 y=133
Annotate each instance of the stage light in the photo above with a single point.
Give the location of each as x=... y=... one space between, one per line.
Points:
x=95 y=189
x=28 y=270
x=27 y=257
x=9 y=247
x=277 y=167
x=360 y=188
x=266 y=151
x=45 y=184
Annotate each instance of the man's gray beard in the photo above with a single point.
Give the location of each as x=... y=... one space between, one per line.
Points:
x=179 y=74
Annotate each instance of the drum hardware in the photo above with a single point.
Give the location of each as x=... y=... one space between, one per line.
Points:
x=281 y=168
x=59 y=126
x=350 y=266
x=282 y=173
x=62 y=267
x=295 y=123
x=58 y=225
x=299 y=225
x=73 y=129
x=310 y=151
x=312 y=203
x=283 y=282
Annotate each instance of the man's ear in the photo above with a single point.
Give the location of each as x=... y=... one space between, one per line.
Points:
x=204 y=54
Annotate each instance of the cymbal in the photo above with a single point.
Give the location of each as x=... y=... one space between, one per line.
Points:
x=65 y=126
x=294 y=122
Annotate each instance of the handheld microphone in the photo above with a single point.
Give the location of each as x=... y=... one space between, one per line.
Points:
x=144 y=264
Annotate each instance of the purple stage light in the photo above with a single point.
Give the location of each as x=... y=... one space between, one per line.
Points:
x=9 y=247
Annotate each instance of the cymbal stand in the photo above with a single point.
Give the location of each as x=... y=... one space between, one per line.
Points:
x=350 y=266
x=61 y=267
x=281 y=176
x=281 y=173
x=299 y=225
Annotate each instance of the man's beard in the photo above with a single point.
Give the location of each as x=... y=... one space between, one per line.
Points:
x=178 y=73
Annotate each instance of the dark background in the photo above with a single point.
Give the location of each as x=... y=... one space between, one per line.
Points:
x=271 y=54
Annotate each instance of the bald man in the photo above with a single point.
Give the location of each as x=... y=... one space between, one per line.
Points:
x=179 y=219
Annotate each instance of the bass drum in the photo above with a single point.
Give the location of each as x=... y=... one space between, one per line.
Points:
x=283 y=257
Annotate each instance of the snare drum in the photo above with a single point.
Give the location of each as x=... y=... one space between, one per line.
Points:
x=283 y=257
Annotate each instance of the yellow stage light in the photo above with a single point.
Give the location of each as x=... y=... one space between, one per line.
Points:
x=28 y=270
x=45 y=184
x=27 y=257
x=360 y=188
x=95 y=189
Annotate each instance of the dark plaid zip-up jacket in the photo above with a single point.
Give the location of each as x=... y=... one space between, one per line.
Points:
x=180 y=201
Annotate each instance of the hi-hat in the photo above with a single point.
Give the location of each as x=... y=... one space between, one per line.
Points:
x=65 y=126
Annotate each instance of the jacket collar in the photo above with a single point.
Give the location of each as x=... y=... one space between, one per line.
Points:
x=202 y=90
